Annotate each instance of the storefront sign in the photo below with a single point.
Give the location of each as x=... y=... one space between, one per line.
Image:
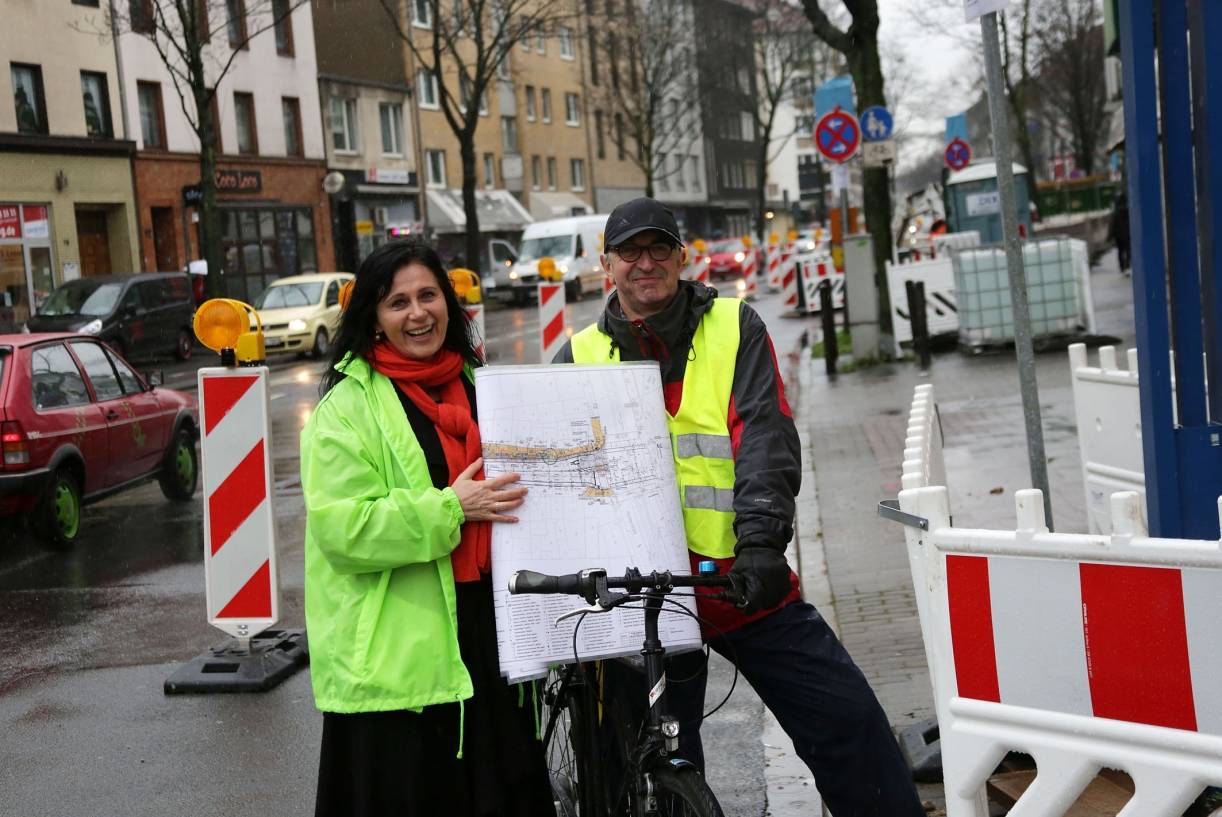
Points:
x=10 y=221
x=239 y=181
x=364 y=227
x=34 y=217
x=192 y=194
x=388 y=175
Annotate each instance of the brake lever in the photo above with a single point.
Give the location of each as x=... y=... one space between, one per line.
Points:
x=606 y=603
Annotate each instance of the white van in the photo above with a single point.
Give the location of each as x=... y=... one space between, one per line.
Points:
x=574 y=243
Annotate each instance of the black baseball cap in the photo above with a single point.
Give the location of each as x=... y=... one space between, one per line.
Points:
x=637 y=216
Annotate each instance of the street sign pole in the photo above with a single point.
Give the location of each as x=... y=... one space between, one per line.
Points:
x=1014 y=262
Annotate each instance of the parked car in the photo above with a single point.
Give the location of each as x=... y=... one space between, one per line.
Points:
x=140 y=316
x=573 y=243
x=301 y=313
x=726 y=258
x=77 y=424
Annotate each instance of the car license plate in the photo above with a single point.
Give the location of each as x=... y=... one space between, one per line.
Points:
x=272 y=343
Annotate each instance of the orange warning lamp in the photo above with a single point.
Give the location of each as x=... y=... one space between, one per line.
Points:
x=746 y=241
x=548 y=270
x=698 y=245
x=773 y=238
x=466 y=285
x=224 y=325
x=792 y=235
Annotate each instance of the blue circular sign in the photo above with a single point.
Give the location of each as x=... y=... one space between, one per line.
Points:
x=876 y=124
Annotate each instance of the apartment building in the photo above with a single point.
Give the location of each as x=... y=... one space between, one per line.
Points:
x=66 y=202
x=369 y=127
x=274 y=216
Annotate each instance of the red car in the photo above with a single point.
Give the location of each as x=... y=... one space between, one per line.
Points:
x=726 y=258
x=78 y=424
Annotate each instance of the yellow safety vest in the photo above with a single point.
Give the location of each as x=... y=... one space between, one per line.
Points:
x=699 y=433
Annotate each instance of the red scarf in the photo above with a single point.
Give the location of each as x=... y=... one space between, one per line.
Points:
x=459 y=435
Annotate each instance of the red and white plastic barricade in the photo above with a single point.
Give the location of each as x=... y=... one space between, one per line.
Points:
x=240 y=570
x=697 y=268
x=789 y=281
x=815 y=269
x=1083 y=651
x=1108 y=410
x=750 y=273
x=551 y=320
x=608 y=285
x=774 y=267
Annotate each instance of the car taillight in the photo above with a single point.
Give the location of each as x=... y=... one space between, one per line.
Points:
x=14 y=444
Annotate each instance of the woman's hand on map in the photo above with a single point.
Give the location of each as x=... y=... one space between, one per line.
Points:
x=487 y=500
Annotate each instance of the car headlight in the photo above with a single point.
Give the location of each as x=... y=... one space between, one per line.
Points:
x=739 y=256
x=91 y=328
x=513 y=275
x=810 y=245
x=741 y=285
x=297 y=325
x=562 y=268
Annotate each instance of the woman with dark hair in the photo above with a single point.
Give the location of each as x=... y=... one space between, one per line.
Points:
x=416 y=717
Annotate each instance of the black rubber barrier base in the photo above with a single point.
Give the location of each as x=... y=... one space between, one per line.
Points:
x=922 y=750
x=274 y=655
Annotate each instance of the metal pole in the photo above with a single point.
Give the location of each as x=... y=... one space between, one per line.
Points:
x=999 y=117
x=831 y=348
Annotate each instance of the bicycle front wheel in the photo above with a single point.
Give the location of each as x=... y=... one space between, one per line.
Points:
x=570 y=736
x=682 y=792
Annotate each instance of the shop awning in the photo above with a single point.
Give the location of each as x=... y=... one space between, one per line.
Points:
x=544 y=206
x=499 y=212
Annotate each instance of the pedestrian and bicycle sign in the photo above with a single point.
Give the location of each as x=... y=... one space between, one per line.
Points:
x=876 y=124
x=837 y=136
x=958 y=154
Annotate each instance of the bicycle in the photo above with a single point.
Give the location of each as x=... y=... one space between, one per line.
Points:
x=654 y=781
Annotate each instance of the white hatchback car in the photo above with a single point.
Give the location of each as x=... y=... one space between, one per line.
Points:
x=301 y=313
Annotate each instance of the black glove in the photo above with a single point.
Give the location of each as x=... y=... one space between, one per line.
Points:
x=765 y=577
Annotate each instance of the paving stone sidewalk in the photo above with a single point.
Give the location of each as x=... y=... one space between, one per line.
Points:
x=853 y=562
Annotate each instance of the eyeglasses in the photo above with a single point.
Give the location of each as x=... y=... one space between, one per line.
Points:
x=632 y=252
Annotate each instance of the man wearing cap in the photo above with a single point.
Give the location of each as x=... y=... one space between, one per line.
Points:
x=738 y=465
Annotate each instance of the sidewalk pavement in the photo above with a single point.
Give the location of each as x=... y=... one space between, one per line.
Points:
x=852 y=562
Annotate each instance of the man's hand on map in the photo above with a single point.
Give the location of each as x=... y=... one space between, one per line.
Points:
x=765 y=576
x=487 y=500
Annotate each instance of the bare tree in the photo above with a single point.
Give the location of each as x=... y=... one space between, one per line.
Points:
x=858 y=42
x=197 y=41
x=651 y=86
x=1072 y=88
x=462 y=46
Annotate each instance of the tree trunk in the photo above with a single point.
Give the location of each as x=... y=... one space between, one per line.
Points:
x=866 y=68
x=761 y=197
x=467 y=151
x=209 y=228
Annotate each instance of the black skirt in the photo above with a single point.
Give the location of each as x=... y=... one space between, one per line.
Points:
x=396 y=764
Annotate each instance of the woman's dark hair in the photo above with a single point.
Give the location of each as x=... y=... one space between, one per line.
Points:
x=373 y=281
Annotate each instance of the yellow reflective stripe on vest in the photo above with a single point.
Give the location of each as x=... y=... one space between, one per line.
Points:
x=700 y=437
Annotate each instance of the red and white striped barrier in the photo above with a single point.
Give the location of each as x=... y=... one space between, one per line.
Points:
x=1083 y=651
x=698 y=268
x=789 y=281
x=475 y=315
x=551 y=320
x=815 y=270
x=774 y=267
x=750 y=273
x=241 y=578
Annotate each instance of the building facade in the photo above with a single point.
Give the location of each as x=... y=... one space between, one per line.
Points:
x=67 y=207
x=274 y=216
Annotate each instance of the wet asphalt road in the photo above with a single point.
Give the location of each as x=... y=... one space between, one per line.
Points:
x=90 y=636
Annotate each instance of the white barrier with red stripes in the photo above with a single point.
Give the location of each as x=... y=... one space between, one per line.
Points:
x=475 y=314
x=697 y=268
x=789 y=281
x=774 y=267
x=1108 y=409
x=241 y=577
x=551 y=320
x=815 y=269
x=1083 y=651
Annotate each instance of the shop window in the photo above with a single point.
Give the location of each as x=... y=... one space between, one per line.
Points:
x=283 y=25
x=152 y=115
x=28 y=99
x=244 y=119
x=97 y=104
x=261 y=245
x=290 y=110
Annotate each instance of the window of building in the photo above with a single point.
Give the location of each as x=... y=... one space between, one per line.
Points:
x=749 y=175
x=694 y=165
x=435 y=162
x=619 y=136
x=599 y=140
x=140 y=17
x=283 y=25
x=551 y=172
x=546 y=100
x=152 y=115
x=261 y=245
x=524 y=33
x=577 y=172
x=96 y=100
x=572 y=110
x=290 y=113
x=464 y=90
x=541 y=42
x=28 y=98
x=426 y=89
x=565 y=35
x=391 y=116
x=661 y=181
x=343 y=124
x=422 y=14
x=244 y=118
x=613 y=59
x=237 y=23
x=536 y=172
x=676 y=171
x=502 y=67
x=593 y=50
x=509 y=134
x=748 y=126
x=531 y=107
x=489 y=170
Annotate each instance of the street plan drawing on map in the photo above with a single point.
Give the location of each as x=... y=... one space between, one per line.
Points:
x=591 y=444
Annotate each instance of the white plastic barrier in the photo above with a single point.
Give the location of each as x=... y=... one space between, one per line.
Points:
x=941 y=308
x=1108 y=410
x=1083 y=651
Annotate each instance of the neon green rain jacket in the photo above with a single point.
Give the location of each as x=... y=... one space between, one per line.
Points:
x=379 y=590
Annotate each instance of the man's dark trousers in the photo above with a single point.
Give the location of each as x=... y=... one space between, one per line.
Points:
x=803 y=674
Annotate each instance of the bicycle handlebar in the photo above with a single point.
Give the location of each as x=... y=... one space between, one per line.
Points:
x=589 y=583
